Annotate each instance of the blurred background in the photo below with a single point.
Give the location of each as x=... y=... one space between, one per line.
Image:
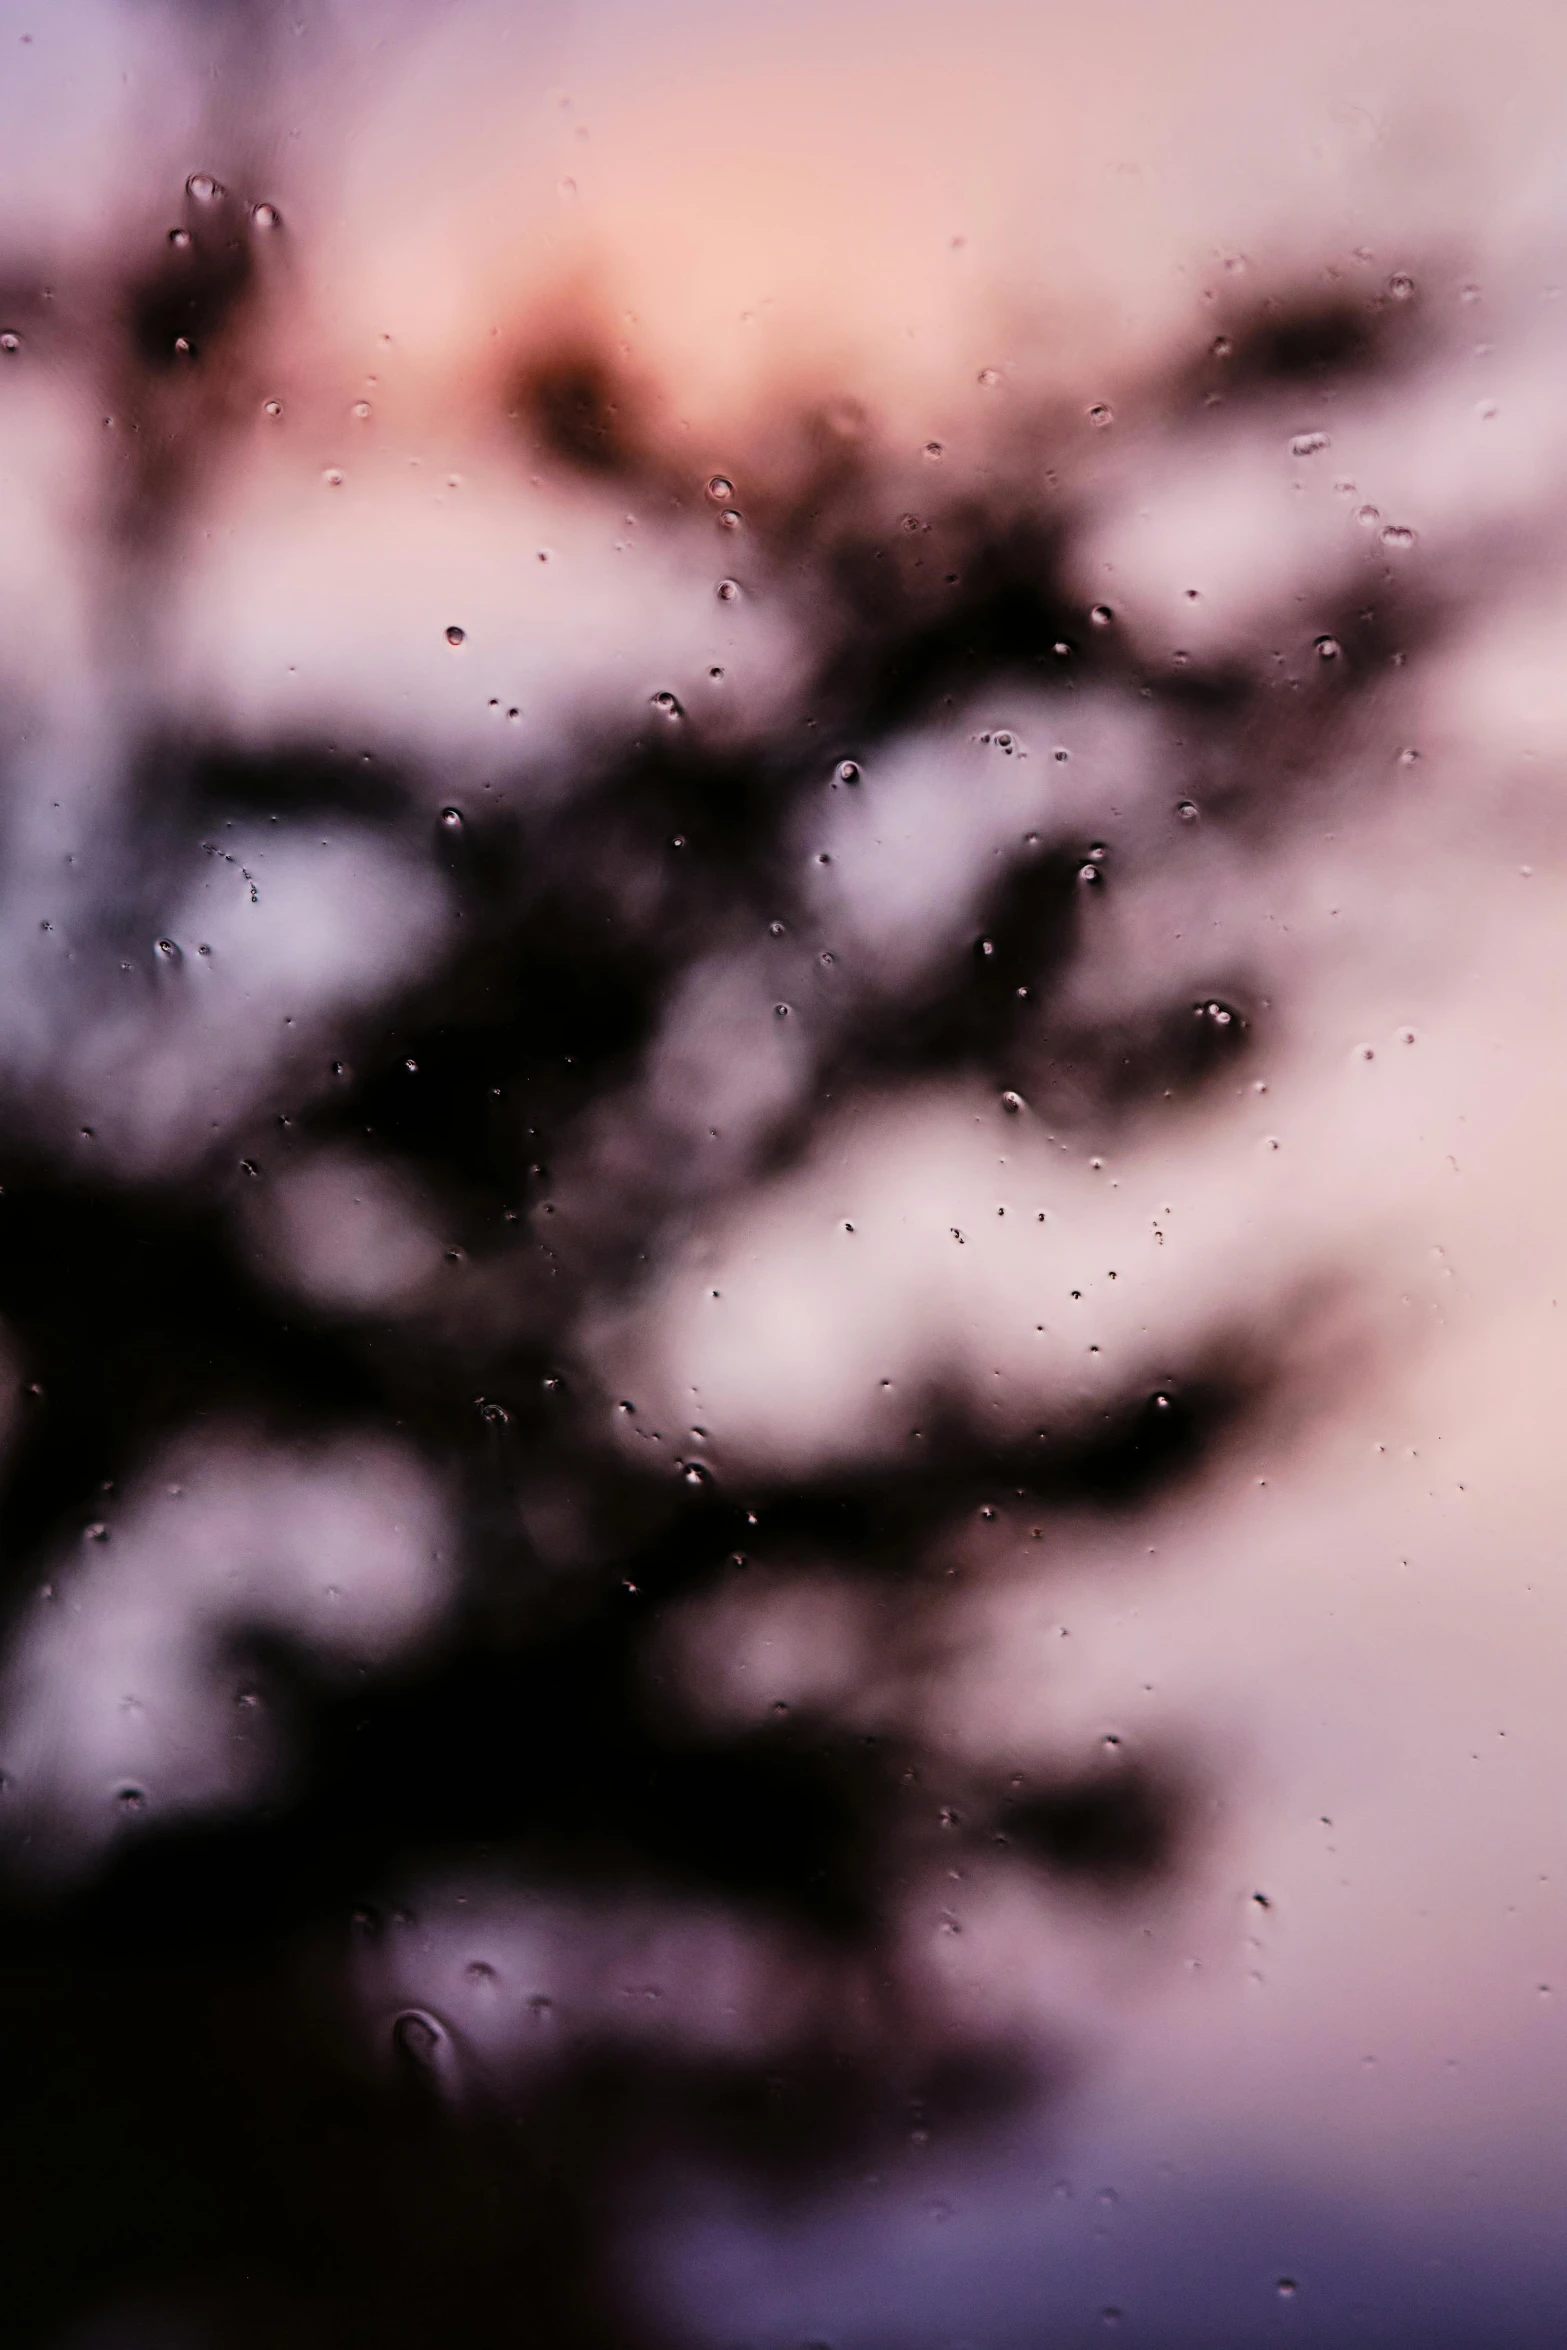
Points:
x=782 y=987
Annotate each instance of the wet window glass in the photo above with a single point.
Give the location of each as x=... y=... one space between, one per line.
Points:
x=781 y=946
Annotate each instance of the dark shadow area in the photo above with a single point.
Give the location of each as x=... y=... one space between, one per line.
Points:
x=571 y=408
x=1114 y=1831
x=1315 y=339
x=130 y=1321
x=307 y=779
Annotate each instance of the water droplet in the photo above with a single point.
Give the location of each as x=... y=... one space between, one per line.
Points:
x=1089 y=873
x=1221 y=347
x=456 y=635
x=1187 y=811
x=847 y=771
x=728 y=591
x=1005 y=742
x=780 y=1011
x=1408 y=757
x=1101 y=616
x=1216 y=1015
x=720 y=489
x=131 y=1799
x=693 y=1473
x=494 y=1415
x=204 y=187
x=10 y=342
x=1368 y=516
x=417 y=2037
x=667 y=705
x=933 y=450
x=1307 y=444
x=271 y=407
x=989 y=377
x=1099 y=415
x=1400 y=285
x=179 y=238
x=1397 y=534
x=96 y=1532
x=333 y=477
x=1328 y=648
x=361 y=409
x=451 y=819
x=1011 y=1102
x=731 y=518
x=1286 y=2288
x=479 y=1970
x=265 y=216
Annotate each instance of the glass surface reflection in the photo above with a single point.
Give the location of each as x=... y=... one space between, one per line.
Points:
x=781 y=927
